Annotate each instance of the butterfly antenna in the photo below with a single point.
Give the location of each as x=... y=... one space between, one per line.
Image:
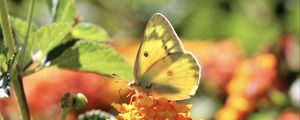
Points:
x=116 y=76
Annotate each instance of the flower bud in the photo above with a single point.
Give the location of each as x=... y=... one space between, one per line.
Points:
x=80 y=101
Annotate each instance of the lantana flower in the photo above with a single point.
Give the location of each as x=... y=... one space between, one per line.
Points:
x=149 y=108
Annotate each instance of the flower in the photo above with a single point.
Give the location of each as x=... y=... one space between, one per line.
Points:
x=252 y=79
x=149 y=108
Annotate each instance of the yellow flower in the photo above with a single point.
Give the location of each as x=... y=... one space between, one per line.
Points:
x=148 y=108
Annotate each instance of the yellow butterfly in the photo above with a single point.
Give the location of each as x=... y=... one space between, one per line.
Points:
x=162 y=67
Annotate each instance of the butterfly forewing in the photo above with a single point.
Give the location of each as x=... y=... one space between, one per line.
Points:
x=159 y=41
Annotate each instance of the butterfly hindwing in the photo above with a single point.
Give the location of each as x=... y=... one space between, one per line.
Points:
x=175 y=77
x=159 y=41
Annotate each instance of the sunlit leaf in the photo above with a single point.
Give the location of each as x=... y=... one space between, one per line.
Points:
x=65 y=11
x=94 y=57
x=48 y=37
x=19 y=26
x=89 y=32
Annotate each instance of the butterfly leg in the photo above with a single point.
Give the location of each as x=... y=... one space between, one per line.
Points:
x=135 y=95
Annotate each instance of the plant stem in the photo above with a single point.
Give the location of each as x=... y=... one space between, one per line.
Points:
x=64 y=114
x=24 y=46
x=17 y=81
x=7 y=33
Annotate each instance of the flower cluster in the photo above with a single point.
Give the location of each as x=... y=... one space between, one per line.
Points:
x=252 y=78
x=148 y=108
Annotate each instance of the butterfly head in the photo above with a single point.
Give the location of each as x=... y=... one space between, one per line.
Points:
x=141 y=86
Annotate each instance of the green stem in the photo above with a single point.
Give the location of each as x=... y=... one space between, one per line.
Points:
x=17 y=81
x=24 y=46
x=29 y=19
x=7 y=33
x=64 y=114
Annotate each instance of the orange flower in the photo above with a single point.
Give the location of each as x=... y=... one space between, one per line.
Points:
x=148 y=108
x=252 y=78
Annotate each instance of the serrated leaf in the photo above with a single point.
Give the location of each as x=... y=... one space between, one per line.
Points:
x=65 y=11
x=89 y=32
x=20 y=27
x=48 y=37
x=94 y=57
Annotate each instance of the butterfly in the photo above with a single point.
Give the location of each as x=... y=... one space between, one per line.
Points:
x=162 y=67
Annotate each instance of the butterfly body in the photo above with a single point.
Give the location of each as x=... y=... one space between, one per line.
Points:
x=162 y=67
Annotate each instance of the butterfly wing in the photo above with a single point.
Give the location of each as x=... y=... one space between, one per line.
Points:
x=157 y=43
x=175 y=77
x=162 y=67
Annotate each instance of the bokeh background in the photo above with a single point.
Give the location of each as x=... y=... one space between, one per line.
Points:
x=248 y=51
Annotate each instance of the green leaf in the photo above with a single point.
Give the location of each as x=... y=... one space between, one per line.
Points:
x=252 y=36
x=88 y=56
x=89 y=32
x=20 y=26
x=48 y=37
x=65 y=11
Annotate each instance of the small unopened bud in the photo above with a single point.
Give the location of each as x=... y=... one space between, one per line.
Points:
x=69 y=101
x=80 y=101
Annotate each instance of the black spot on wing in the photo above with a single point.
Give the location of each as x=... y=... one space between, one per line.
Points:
x=146 y=54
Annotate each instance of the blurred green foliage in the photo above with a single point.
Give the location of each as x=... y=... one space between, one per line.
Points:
x=63 y=42
x=253 y=24
x=292 y=18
